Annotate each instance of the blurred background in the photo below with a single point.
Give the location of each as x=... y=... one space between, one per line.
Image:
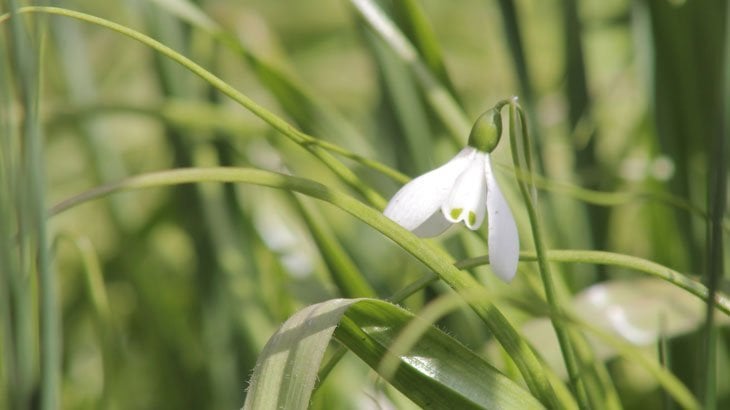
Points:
x=165 y=297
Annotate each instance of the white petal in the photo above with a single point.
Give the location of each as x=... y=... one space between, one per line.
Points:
x=415 y=204
x=504 y=242
x=468 y=199
x=434 y=226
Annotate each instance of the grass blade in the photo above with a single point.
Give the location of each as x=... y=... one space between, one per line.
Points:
x=413 y=21
x=342 y=268
x=26 y=57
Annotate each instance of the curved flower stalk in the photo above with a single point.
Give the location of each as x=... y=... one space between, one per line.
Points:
x=463 y=190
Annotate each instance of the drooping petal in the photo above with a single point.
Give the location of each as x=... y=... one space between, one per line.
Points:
x=414 y=205
x=468 y=198
x=504 y=241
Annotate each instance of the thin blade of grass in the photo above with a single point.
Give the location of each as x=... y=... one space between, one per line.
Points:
x=79 y=81
x=717 y=206
x=412 y=19
x=411 y=137
x=342 y=268
x=447 y=109
x=306 y=141
x=672 y=276
x=314 y=114
x=511 y=25
x=27 y=56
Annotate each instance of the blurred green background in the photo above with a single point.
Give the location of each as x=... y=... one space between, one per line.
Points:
x=165 y=297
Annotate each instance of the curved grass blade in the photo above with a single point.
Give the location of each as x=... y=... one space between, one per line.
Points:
x=315 y=115
x=286 y=369
x=537 y=378
x=306 y=141
x=206 y=117
x=722 y=301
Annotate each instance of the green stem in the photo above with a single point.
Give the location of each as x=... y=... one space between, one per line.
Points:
x=528 y=192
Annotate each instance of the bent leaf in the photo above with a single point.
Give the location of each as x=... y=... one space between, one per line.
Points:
x=436 y=372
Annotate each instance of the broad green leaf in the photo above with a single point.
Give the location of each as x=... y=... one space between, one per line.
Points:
x=287 y=368
x=436 y=372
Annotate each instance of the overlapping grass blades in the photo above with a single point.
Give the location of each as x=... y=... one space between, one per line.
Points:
x=207 y=328
x=437 y=372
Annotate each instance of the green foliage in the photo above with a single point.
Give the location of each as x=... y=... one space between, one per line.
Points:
x=178 y=178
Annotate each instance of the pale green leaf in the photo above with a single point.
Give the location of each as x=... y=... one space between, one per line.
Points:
x=436 y=372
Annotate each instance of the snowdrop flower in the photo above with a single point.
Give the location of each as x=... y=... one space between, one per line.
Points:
x=463 y=190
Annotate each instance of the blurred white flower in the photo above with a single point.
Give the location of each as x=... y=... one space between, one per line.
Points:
x=463 y=189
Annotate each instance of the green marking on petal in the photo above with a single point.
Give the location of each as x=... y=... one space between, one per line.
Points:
x=456 y=212
x=472 y=218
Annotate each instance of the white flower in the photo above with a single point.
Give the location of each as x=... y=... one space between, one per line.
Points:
x=463 y=189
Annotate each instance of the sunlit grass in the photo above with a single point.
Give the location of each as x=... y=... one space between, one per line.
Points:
x=146 y=261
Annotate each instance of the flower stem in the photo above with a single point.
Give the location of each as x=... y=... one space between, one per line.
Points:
x=527 y=188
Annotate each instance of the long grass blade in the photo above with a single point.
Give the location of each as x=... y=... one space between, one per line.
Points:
x=533 y=372
x=277 y=123
x=26 y=57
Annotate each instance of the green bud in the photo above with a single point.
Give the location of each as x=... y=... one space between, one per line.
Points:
x=487 y=131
